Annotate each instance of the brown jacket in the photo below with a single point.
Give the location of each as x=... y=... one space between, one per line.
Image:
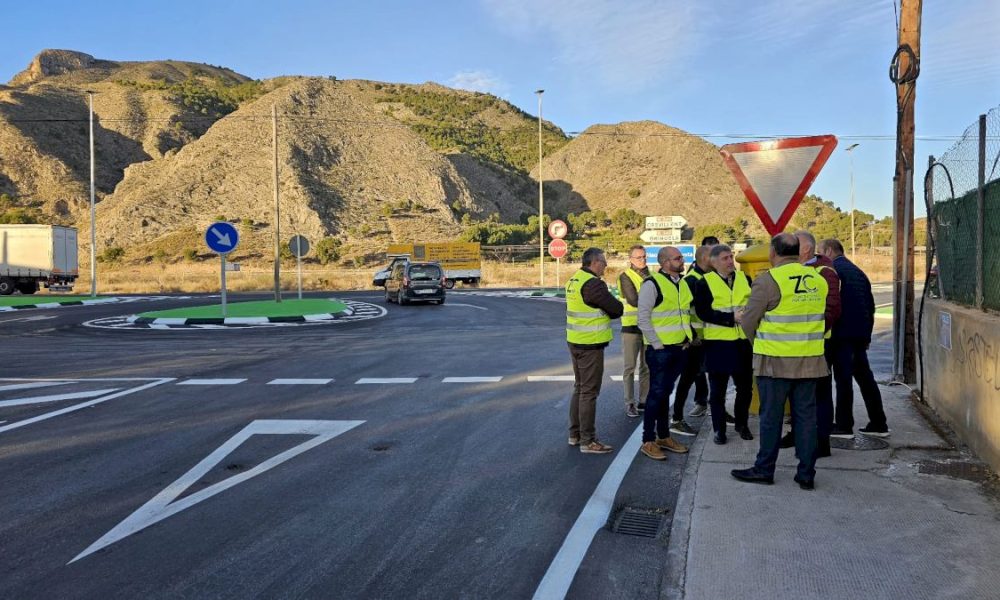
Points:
x=764 y=296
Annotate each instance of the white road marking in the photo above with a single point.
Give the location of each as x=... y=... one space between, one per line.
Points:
x=29 y=386
x=471 y=379
x=36 y=318
x=466 y=305
x=89 y=403
x=299 y=381
x=550 y=378
x=56 y=397
x=617 y=378
x=211 y=381
x=372 y=380
x=162 y=505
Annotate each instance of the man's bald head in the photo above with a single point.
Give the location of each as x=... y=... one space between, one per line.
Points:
x=783 y=245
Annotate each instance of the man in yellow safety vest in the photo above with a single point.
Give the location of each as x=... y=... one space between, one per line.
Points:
x=785 y=320
x=632 y=344
x=590 y=307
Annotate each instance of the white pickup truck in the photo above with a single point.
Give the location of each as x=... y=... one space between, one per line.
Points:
x=33 y=255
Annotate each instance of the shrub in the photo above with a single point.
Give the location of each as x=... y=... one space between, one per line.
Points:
x=328 y=250
x=112 y=254
x=634 y=193
x=190 y=254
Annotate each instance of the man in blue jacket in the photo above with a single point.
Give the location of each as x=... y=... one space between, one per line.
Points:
x=852 y=334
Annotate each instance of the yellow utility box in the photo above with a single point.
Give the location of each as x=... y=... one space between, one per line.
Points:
x=754 y=261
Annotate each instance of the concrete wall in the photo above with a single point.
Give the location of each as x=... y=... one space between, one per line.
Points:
x=962 y=372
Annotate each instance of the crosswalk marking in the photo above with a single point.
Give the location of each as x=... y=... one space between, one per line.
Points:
x=299 y=381
x=550 y=378
x=56 y=397
x=371 y=380
x=471 y=379
x=211 y=381
x=29 y=386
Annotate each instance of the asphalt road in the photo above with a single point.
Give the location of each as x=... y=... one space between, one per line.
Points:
x=195 y=474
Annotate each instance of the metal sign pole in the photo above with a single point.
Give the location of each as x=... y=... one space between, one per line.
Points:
x=222 y=258
x=558 y=260
x=298 y=259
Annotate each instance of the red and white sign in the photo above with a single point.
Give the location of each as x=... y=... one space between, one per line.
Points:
x=557 y=248
x=558 y=229
x=775 y=175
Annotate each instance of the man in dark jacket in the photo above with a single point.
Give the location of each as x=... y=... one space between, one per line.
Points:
x=590 y=307
x=694 y=369
x=851 y=337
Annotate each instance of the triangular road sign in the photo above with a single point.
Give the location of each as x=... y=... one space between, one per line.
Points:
x=775 y=175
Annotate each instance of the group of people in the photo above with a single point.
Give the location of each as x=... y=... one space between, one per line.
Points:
x=811 y=314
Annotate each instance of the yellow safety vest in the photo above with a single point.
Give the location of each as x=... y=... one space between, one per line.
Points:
x=727 y=300
x=795 y=326
x=697 y=325
x=629 y=317
x=584 y=323
x=671 y=317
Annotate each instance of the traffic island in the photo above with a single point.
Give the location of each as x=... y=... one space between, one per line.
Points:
x=249 y=313
x=8 y=303
x=548 y=293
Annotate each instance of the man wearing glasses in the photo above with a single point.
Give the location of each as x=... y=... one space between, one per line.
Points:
x=632 y=344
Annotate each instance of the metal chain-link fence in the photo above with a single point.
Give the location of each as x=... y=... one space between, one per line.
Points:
x=968 y=264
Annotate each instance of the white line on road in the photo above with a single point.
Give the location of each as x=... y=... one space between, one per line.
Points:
x=550 y=378
x=299 y=381
x=29 y=386
x=35 y=318
x=471 y=379
x=211 y=381
x=564 y=566
x=373 y=380
x=56 y=397
x=617 y=378
x=467 y=305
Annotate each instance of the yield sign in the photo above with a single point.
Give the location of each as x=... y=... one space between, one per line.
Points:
x=776 y=175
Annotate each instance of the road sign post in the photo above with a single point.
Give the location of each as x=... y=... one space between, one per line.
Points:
x=299 y=247
x=557 y=250
x=221 y=237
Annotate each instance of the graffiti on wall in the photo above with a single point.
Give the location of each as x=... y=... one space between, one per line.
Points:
x=976 y=356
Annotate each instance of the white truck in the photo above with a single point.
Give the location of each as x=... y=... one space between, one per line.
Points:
x=33 y=255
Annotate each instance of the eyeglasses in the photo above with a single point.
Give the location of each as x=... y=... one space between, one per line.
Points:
x=643 y=257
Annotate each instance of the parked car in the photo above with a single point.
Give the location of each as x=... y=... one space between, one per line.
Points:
x=415 y=282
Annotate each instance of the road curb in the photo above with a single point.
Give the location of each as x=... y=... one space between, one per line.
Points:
x=348 y=311
x=672 y=587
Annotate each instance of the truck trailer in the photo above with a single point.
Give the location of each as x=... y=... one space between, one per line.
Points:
x=37 y=255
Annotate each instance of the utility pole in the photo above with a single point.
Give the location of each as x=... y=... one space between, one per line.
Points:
x=541 y=199
x=850 y=152
x=93 y=211
x=904 y=70
x=277 y=210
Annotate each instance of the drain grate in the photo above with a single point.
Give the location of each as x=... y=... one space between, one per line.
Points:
x=638 y=522
x=859 y=442
x=957 y=469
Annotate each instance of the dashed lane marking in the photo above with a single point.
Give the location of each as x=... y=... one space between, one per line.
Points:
x=471 y=379
x=299 y=381
x=550 y=378
x=390 y=380
x=211 y=381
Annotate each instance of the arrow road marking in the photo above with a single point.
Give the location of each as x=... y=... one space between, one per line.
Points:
x=163 y=505
x=56 y=397
x=222 y=239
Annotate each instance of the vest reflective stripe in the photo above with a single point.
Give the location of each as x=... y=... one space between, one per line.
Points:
x=727 y=300
x=584 y=323
x=696 y=324
x=629 y=317
x=796 y=326
x=671 y=318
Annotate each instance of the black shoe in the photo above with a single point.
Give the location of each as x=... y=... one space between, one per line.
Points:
x=744 y=433
x=730 y=419
x=752 y=476
x=882 y=432
x=842 y=433
x=806 y=484
x=720 y=438
x=641 y=406
x=787 y=440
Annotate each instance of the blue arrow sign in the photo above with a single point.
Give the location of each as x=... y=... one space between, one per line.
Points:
x=222 y=237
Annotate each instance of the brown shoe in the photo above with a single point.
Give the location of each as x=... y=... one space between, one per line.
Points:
x=595 y=447
x=672 y=446
x=653 y=451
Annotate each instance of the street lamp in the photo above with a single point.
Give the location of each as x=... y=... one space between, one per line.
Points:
x=850 y=152
x=93 y=230
x=541 y=199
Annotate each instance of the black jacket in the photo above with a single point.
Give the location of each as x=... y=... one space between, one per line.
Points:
x=596 y=294
x=857 y=315
x=721 y=356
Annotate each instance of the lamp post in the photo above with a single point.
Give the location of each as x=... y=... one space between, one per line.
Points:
x=850 y=152
x=541 y=199
x=93 y=229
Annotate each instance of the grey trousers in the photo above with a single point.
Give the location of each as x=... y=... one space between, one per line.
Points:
x=635 y=355
x=588 y=372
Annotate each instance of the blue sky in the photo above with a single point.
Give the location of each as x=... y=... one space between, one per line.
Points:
x=768 y=67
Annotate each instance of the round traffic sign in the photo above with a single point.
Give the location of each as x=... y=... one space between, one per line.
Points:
x=557 y=248
x=299 y=246
x=558 y=229
x=222 y=237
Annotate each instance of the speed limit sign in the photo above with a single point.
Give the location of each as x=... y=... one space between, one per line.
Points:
x=558 y=229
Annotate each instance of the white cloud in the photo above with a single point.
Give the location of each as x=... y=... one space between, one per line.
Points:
x=636 y=43
x=479 y=81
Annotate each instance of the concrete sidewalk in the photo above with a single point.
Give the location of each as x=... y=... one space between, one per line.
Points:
x=918 y=519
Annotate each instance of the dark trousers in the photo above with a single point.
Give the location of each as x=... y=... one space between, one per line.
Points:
x=588 y=373
x=801 y=393
x=824 y=402
x=719 y=383
x=665 y=366
x=694 y=373
x=850 y=364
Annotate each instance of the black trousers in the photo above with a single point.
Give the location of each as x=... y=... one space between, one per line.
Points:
x=802 y=395
x=850 y=364
x=694 y=374
x=718 y=384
